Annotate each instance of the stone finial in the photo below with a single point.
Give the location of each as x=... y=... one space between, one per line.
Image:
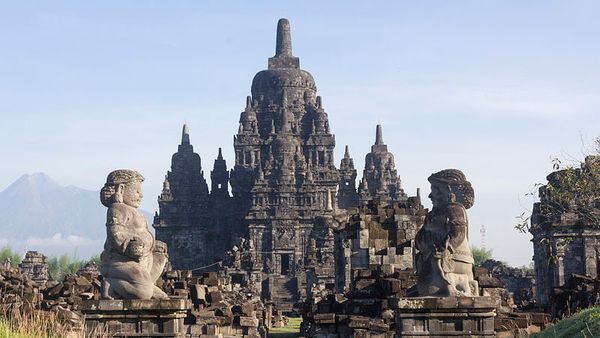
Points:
x=185 y=135
x=166 y=185
x=378 y=135
x=283 y=49
x=364 y=184
x=248 y=102
x=284 y=38
x=346 y=153
x=220 y=155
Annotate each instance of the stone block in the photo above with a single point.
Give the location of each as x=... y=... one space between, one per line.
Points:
x=211 y=329
x=247 y=308
x=204 y=313
x=489 y=282
x=324 y=318
x=378 y=325
x=211 y=279
x=364 y=283
x=358 y=322
x=194 y=330
x=198 y=293
x=215 y=296
x=112 y=304
x=141 y=304
x=248 y=322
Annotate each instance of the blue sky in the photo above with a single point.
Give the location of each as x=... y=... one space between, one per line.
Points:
x=495 y=88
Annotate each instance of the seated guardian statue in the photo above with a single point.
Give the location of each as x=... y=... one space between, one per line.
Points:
x=132 y=260
x=444 y=262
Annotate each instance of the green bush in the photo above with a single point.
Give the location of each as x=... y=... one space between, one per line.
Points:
x=8 y=253
x=60 y=266
x=584 y=324
x=481 y=255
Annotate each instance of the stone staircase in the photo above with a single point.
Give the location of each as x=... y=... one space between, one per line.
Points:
x=284 y=292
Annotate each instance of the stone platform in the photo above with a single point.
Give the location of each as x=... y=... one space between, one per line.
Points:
x=135 y=317
x=445 y=316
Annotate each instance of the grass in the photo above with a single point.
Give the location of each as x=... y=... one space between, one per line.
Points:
x=584 y=324
x=7 y=330
x=288 y=331
x=20 y=319
x=32 y=326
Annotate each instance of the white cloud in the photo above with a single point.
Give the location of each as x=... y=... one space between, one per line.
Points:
x=58 y=240
x=57 y=244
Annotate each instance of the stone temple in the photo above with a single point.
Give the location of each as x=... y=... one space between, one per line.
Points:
x=285 y=186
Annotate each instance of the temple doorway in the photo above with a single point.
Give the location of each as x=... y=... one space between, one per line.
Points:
x=285 y=264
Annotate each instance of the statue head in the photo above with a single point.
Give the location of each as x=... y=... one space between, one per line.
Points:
x=122 y=186
x=451 y=185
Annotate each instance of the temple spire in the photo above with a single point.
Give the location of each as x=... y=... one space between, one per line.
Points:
x=284 y=39
x=283 y=48
x=346 y=153
x=185 y=135
x=378 y=135
x=220 y=156
x=248 y=102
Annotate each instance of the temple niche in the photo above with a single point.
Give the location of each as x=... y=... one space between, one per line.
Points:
x=564 y=225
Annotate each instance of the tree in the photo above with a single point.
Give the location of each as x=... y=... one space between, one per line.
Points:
x=572 y=192
x=481 y=255
x=8 y=253
x=60 y=266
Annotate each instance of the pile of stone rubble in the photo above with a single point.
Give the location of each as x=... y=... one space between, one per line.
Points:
x=218 y=306
x=366 y=310
x=579 y=292
x=513 y=319
x=370 y=306
x=22 y=296
x=519 y=281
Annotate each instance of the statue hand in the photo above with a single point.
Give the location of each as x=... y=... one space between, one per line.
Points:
x=135 y=248
x=160 y=247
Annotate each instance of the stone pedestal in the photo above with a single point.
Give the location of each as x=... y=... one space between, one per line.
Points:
x=445 y=316
x=135 y=317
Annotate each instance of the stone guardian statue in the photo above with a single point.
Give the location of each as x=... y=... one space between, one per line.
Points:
x=444 y=262
x=132 y=259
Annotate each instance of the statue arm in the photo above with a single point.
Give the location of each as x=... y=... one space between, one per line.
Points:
x=117 y=237
x=118 y=234
x=457 y=224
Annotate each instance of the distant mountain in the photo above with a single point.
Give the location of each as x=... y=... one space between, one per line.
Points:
x=35 y=206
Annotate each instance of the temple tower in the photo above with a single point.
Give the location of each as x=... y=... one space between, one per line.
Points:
x=219 y=177
x=284 y=174
x=182 y=221
x=380 y=182
x=347 y=194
